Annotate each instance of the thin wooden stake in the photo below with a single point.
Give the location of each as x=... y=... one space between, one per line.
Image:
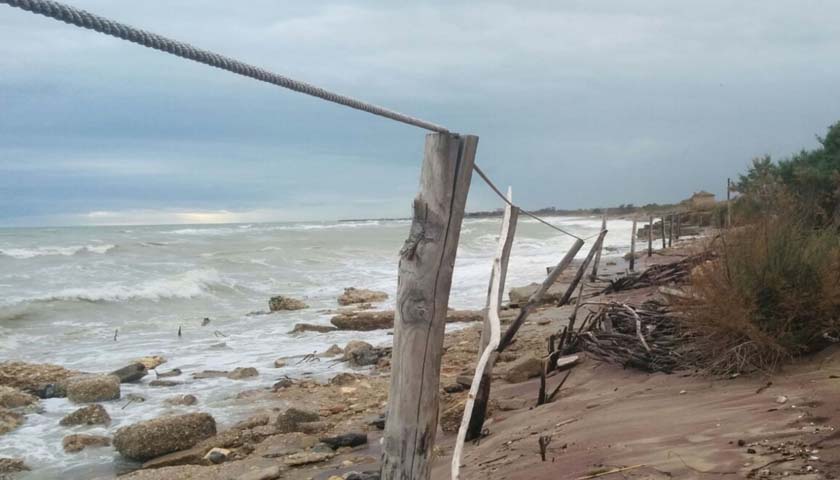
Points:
x=662 y=227
x=633 y=247
x=679 y=225
x=670 y=230
x=492 y=334
x=728 y=203
x=423 y=283
x=594 y=275
x=579 y=276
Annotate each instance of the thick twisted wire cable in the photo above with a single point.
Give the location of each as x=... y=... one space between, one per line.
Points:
x=84 y=19
x=526 y=212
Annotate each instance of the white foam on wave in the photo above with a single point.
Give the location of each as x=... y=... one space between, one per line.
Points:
x=190 y=284
x=25 y=253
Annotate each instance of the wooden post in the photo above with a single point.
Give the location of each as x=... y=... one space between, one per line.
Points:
x=594 y=275
x=728 y=203
x=483 y=393
x=679 y=225
x=571 y=290
x=670 y=230
x=650 y=237
x=423 y=283
x=662 y=220
x=633 y=247
x=491 y=334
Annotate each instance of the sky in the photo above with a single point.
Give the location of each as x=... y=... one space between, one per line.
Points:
x=576 y=103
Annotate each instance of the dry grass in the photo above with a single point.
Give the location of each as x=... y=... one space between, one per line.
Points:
x=772 y=294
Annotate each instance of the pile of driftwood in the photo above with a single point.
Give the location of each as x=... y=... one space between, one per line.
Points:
x=662 y=274
x=646 y=337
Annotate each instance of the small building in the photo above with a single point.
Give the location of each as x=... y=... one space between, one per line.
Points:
x=702 y=200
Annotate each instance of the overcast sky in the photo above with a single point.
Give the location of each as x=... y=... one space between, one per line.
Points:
x=577 y=104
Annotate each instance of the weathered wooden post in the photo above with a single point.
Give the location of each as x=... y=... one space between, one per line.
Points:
x=670 y=230
x=650 y=237
x=483 y=394
x=662 y=227
x=594 y=275
x=582 y=270
x=491 y=334
x=633 y=247
x=728 y=203
x=679 y=225
x=425 y=277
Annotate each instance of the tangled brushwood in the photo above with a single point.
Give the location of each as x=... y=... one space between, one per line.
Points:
x=647 y=338
x=662 y=274
x=772 y=294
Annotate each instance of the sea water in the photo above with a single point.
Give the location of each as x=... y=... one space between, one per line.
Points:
x=95 y=298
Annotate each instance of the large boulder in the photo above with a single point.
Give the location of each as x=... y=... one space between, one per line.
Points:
x=151 y=362
x=361 y=295
x=521 y=370
x=78 y=442
x=291 y=420
x=89 y=415
x=282 y=303
x=34 y=378
x=13 y=398
x=131 y=372
x=11 y=465
x=92 y=388
x=153 y=438
x=9 y=420
x=239 y=373
x=308 y=327
x=519 y=296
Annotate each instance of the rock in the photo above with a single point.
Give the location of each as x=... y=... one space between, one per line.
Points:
x=217 y=455
x=566 y=362
x=184 y=400
x=152 y=438
x=279 y=363
x=78 y=442
x=282 y=383
x=133 y=397
x=464 y=379
x=281 y=303
x=92 y=388
x=33 y=377
x=242 y=372
x=313 y=428
x=51 y=390
x=343 y=379
x=270 y=473
x=290 y=420
x=13 y=398
x=450 y=418
x=305 y=458
x=520 y=295
x=253 y=421
x=89 y=415
x=378 y=422
x=362 y=476
x=346 y=440
x=130 y=373
x=151 y=362
x=9 y=420
x=172 y=373
x=454 y=388
x=210 y=374
x=360 y=354
x=308 y=327
x=378 y=320
x=163 y=383
x=11 y=465
x=781 y=399
x=364 y=321
x=508 y=404
x=333 y=351
x=521 y=370
x=361 y=295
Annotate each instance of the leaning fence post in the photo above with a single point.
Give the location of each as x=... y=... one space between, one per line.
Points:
x=483 y=394
x=594 y=275
x=582 y=269
x=633 y=247
x=490 y=335
x=423 y=283
x=650 y=236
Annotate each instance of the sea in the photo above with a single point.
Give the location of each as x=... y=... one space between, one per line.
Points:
x=95 y=298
